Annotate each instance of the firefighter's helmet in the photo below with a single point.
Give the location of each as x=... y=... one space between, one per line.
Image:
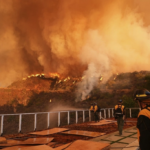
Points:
x=120 y=101
x=142 y=97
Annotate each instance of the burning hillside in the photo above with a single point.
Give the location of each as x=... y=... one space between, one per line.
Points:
x=43 y=82
x=74 y=38
x=22 y=90
x=73 y=46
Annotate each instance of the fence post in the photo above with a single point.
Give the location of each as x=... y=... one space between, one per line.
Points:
x=20 y=121
x=48 y=115
x=112 y=112
x=35 y=121
x=104 y=113
x=2 y=121
x=100 y=115
x=76 y=116
x=108 y=113
x=89 y=115
x=83 y=116
x=68 y=117
x=130 y=112
x=58 y=119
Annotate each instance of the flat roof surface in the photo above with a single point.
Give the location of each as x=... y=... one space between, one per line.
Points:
x=65 y=136
x=49 y=131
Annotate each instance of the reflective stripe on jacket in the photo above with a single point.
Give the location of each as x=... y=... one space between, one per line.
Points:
x=95 y=108
x=92 y=108
x=122 y=108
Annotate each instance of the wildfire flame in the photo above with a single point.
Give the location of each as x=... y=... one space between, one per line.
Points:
x=37 y=75
x=83 y=77
x=42 y=75
x=32 y=75
x=59 y=81
x=65 y=79
x=115 y=76
x=101 y=79
x=54 y=75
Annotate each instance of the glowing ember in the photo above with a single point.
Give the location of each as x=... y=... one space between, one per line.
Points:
x=83 y=77
x=37 y=75
x=59 y=81
x=32 y=75
x=88 y=96
x=65 y=79
x=54 y=75
x=101 y=79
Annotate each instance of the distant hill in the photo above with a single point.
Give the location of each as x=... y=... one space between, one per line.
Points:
x=38 y=92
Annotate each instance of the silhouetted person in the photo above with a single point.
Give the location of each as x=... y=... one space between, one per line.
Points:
x=119 y=113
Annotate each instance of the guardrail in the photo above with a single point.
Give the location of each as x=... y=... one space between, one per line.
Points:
x=105 y=112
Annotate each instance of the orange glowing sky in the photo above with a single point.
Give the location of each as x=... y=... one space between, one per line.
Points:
x=67 y=36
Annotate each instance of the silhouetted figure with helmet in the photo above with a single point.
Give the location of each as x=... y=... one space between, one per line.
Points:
x=96 y=109
x=143 y=119
x=119 y=113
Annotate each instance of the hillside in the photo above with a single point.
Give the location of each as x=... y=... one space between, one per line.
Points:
x=44 y=94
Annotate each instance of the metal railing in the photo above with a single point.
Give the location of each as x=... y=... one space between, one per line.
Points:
x=105 y=112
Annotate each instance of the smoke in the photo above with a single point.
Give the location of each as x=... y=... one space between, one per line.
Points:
x=70 y=36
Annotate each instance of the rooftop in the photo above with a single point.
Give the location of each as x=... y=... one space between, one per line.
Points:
x=101 y=135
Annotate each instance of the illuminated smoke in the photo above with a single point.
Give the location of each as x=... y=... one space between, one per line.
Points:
x=68 y=36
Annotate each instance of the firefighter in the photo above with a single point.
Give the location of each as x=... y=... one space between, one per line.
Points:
x=96 y=113
x=95 y=109
x=119 y=113
x=92 y=107
x=143 y=120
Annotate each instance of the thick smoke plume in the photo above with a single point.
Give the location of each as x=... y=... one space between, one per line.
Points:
x=67 y=37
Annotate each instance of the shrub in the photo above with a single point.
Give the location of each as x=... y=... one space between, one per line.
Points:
x=128 y=102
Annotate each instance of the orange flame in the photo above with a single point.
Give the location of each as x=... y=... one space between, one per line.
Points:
x=59 y=81
x=65 y=79
x=54 y=75
x=83 y=77
x=101 y=79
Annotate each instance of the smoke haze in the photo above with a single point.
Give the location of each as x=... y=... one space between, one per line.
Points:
x=70 y=36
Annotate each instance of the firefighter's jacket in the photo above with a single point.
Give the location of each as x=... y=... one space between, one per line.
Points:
x=143 y=126
x=122 y=113
x=94 y=108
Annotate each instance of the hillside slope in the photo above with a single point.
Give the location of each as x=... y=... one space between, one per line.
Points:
x=41 y=94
